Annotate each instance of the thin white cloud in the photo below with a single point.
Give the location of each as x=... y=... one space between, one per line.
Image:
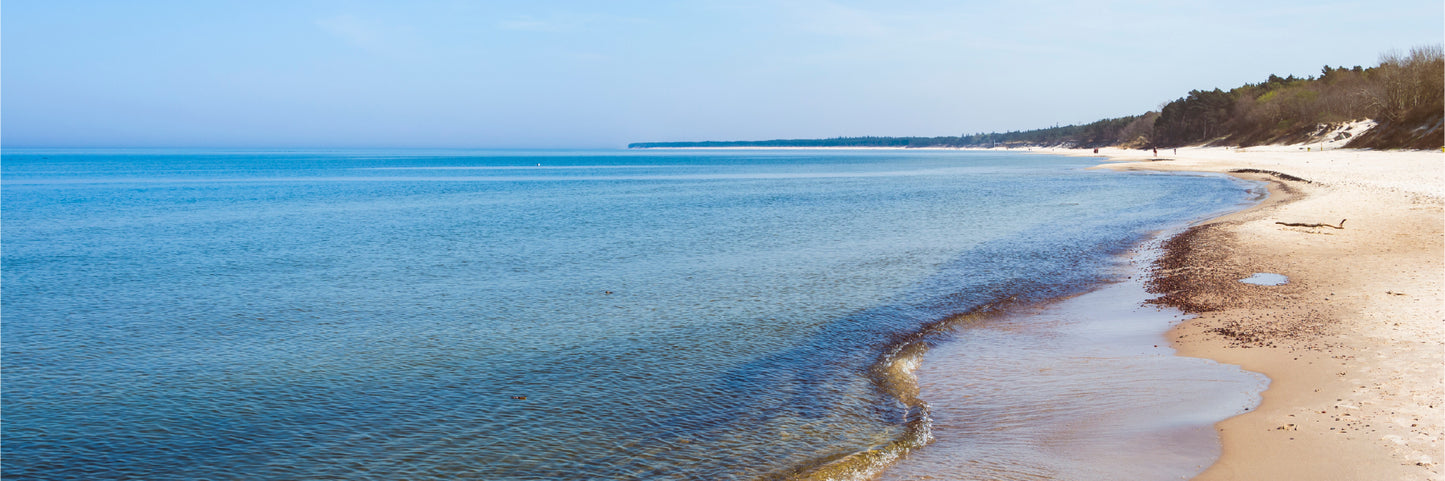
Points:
x=369 y=35
x=566 y=22
x=825 y=17
x=351 y=30
x=527 y=23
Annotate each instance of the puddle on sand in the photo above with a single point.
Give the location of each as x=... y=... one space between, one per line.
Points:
x=1265 y=279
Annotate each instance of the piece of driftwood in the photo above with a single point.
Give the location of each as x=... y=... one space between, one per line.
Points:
x=1296 y=224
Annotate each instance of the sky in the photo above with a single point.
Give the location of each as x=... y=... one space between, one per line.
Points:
x=601 y=74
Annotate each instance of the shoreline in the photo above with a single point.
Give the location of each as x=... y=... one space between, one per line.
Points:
x=1180 y=413
x=1058 y=406
x=1352 y=343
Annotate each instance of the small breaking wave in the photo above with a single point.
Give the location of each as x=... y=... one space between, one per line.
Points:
x=894 y=374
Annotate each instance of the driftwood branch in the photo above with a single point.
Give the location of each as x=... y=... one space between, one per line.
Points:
x=1296 y=224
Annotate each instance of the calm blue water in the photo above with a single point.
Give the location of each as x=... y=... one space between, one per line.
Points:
x=372 y=314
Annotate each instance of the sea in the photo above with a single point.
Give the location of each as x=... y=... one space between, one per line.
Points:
x=552 y=314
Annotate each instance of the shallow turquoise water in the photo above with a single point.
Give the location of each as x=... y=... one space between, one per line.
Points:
x=373 y=314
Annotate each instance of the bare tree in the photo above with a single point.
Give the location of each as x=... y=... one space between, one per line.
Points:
x=1404 y=83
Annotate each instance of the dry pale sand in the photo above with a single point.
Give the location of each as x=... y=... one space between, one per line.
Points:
x=1354 y=344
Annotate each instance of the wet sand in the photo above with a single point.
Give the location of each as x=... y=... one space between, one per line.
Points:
x=1354 y=344
x=1082 y=388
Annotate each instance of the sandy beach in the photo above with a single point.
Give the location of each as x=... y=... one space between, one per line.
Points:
x=1353 y=342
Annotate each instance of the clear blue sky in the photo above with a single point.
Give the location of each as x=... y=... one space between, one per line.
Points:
x=603 y=73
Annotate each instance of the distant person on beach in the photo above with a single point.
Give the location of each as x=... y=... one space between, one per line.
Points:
x=1156 y=151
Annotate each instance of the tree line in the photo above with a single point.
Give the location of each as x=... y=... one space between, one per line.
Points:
x=1405 y=93
x=901 y=142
